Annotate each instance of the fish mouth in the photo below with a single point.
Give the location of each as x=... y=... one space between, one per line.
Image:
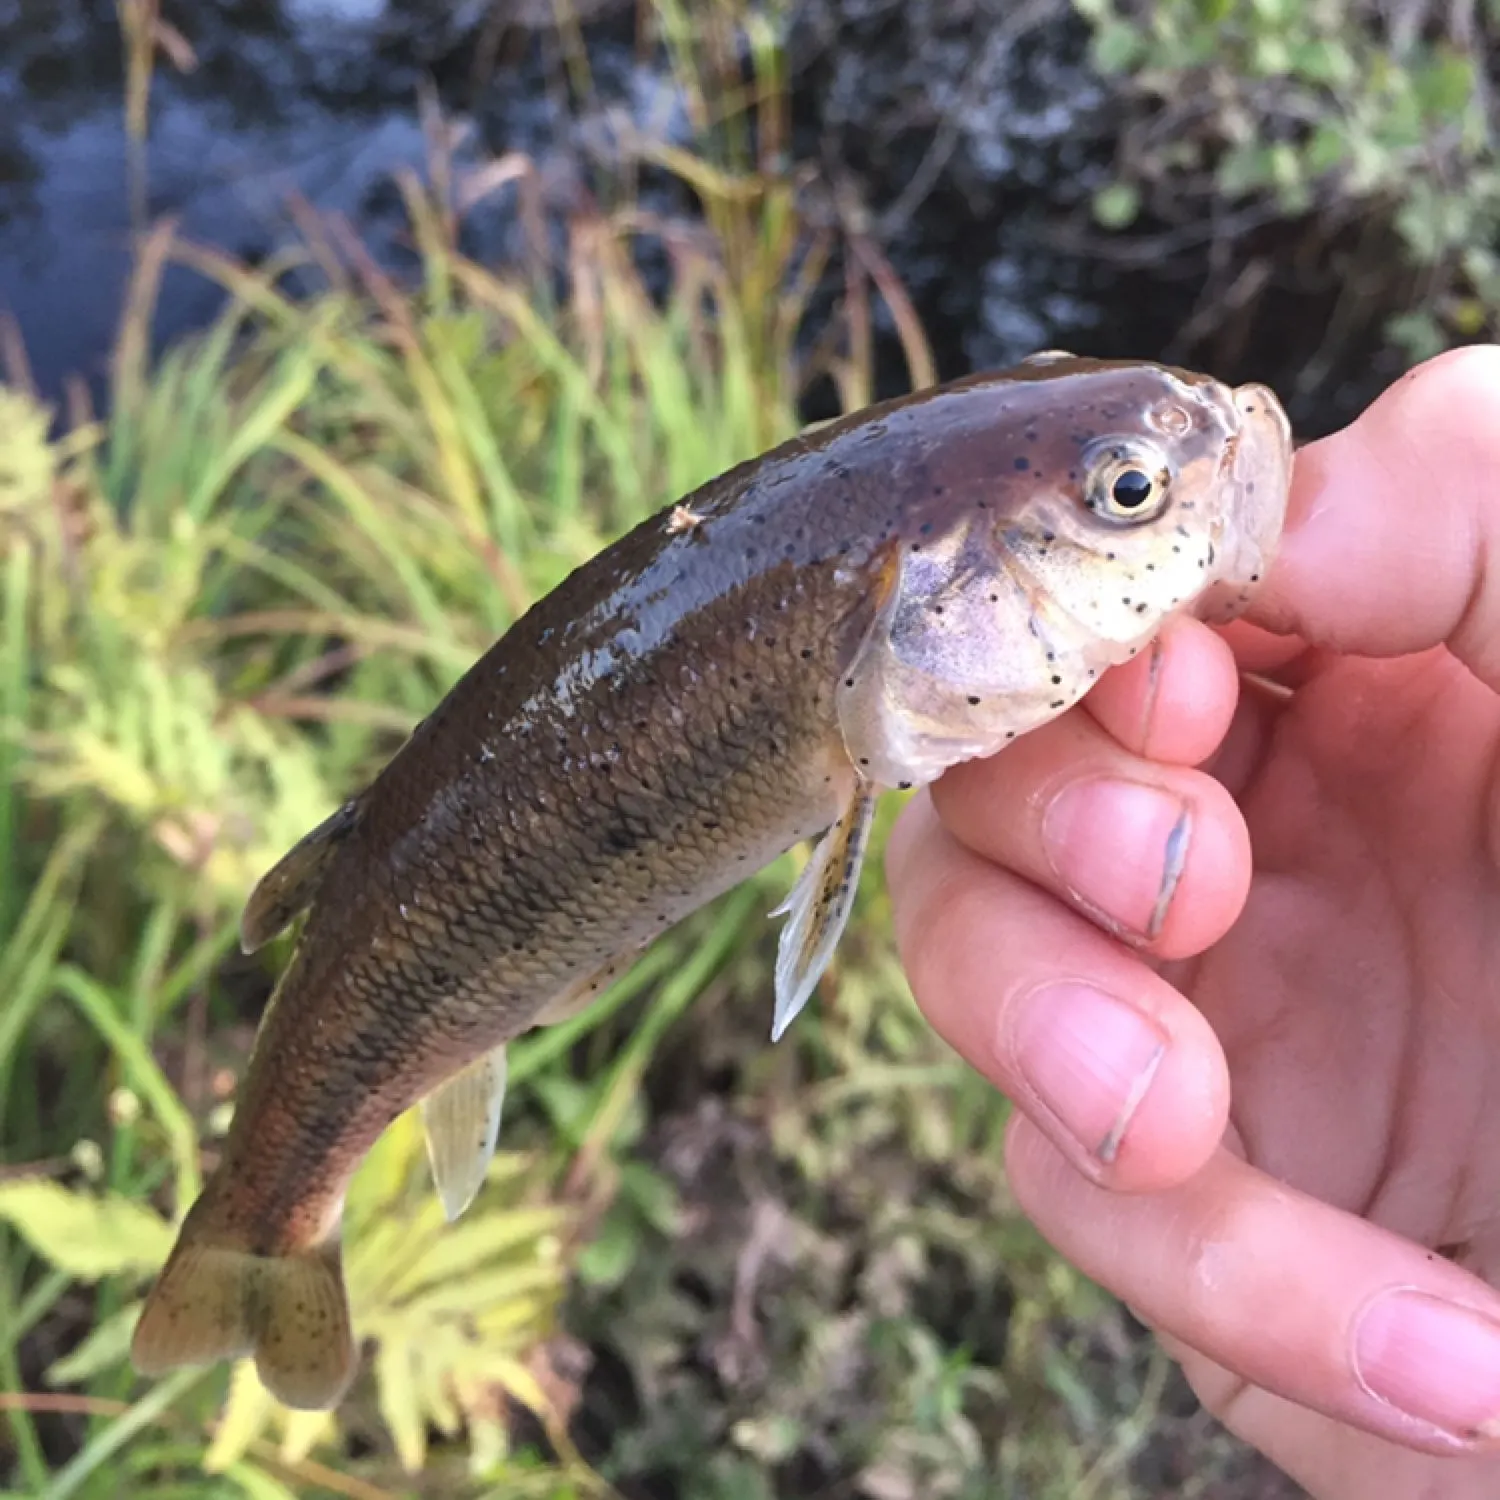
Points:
x=1262 y=450
x=1258 y=468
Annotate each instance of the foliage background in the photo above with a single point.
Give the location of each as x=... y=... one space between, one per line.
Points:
x=702 y=1267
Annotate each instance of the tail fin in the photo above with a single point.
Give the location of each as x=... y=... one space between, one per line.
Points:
x=217 y=1299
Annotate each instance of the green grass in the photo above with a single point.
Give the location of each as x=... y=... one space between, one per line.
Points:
x=223 y=606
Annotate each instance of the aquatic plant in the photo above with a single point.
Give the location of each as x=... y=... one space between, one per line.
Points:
x=1373 y=125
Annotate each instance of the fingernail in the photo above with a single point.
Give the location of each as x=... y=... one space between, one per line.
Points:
x=1120 y=847
x=1432 y=1360
x=1089 y=1058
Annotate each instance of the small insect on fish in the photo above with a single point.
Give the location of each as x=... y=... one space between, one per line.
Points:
x=909 y=587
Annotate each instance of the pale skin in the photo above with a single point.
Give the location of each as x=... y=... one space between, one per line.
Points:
x=1277 y=1137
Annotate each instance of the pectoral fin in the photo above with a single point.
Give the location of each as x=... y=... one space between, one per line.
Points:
x=462 y=1121
x=819 y=905
x=288 y=887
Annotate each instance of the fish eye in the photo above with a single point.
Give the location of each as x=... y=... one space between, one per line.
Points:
x=1127 y=487
x=1132 y=489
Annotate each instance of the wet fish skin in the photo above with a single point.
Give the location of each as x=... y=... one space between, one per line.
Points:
x=686 y=706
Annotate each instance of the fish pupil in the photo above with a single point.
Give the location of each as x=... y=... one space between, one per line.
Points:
x=1132 y=489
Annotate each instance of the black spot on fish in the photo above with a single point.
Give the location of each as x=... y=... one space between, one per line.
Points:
x=1021 y=462
x=973 y=700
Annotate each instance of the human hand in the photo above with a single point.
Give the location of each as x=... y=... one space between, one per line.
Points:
x=1269 y=1120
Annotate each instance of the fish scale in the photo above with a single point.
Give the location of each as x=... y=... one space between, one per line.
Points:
x=902 y=589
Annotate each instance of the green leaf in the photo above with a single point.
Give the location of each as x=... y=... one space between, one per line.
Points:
x=606 y=1260
x=400 y=1405
x=105 y=1347
x=245 y=1415
x=257 y=1484
x=1117 y=205
x=1118 y=46
x=302 y=1431
x=85 y=1236
x=1444 y=87
x=1327 y=149
x=467 y=1247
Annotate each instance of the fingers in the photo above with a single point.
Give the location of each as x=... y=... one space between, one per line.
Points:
x=1326 y=1457
x=1394 y=522
x=1172 y=702
x=1113 y=1063
x=1157 y=855
x=1154 y=852
x=1292 y=1295
x=1120 y=1071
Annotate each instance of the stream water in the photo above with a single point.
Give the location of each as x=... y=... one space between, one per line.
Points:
x=970 y=130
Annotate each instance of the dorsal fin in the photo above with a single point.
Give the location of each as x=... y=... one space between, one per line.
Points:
x=287 y=889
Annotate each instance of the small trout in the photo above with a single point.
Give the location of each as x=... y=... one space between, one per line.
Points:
x=863 y=607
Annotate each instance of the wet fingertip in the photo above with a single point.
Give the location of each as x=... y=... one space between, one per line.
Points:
x=1434 y=1361
x=1136 y=1097
x=1173 y=703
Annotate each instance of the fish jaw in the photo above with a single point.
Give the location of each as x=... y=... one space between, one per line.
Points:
x=1257 y=482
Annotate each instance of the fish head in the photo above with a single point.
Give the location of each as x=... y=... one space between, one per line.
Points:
x=1140 y=491
x=1074 y=506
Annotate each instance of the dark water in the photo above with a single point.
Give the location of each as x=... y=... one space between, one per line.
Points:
x=970 y=131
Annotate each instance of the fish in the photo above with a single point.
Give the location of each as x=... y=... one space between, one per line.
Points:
x=911 y=586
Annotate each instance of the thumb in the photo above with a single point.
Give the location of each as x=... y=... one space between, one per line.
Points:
x=1392 y=543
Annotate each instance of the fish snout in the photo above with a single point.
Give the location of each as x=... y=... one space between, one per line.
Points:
x=1262 y=456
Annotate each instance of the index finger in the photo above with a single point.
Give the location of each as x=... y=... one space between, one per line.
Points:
x=1394 y=521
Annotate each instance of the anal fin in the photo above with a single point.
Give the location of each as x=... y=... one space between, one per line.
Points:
x=461 y=1117
x=819 y=906
x=462 y=1122
x=287 y=889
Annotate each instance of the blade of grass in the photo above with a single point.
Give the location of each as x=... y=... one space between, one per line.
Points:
x=15 y=675
x=136 y=1419
x=146 y=1078
x=14 y=1322
x=534 y=1053
x=255 y=429
x=365 y=512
